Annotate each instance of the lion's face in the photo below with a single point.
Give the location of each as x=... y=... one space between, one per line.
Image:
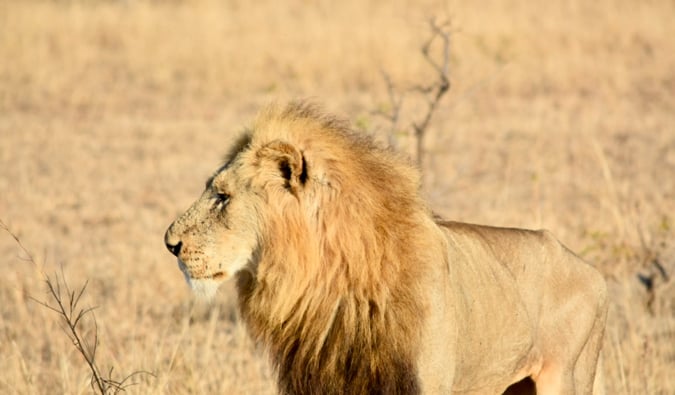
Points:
x=217 y=235
x=221 y=233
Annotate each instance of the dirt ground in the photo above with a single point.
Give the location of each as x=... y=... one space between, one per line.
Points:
x=113 y=114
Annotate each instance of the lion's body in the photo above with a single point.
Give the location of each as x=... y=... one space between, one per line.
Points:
x=350 y=283
x=523 y=306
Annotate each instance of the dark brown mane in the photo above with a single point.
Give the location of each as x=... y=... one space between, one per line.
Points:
x=355 y=357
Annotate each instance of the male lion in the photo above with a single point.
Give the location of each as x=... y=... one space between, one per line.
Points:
x=353 y=286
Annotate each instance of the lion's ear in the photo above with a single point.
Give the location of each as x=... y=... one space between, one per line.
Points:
x=288 y=161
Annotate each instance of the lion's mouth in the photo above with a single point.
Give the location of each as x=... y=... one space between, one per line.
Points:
x=204 y=287
x=189 y=277
x=218 y=276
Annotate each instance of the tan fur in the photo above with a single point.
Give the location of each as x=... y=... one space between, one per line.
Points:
x=353 y=287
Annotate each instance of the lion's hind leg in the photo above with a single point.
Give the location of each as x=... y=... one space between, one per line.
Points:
x=571 y=332
x=599 y=381
x=555 y=379
x=581 y=378
x=577 y=374
x=588 y=369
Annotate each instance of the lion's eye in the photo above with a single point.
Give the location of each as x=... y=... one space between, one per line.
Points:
x=221 y=200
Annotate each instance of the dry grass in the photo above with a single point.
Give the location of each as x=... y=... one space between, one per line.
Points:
x=112 y=114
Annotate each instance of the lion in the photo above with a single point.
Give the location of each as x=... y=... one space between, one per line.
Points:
x=354 y=286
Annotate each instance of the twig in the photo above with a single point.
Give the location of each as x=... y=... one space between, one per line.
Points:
x=436 y=90
x=396 y=102
x=432 y=93
x=65 y=302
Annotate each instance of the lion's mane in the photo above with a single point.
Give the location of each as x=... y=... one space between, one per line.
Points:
x=336 y=296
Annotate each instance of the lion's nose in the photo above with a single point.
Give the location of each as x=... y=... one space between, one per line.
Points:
x=173 y=247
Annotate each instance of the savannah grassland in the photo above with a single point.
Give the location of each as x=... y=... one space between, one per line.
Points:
x=561 y=115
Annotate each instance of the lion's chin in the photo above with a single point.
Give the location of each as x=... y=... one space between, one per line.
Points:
x=205 y=287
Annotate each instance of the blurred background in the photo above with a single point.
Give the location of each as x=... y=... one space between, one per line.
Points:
x=561 y=115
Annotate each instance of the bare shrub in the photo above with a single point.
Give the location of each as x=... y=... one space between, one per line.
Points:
x=431 y=93
x=78 y=323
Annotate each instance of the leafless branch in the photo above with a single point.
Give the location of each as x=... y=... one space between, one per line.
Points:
x=435 y=92
x=66 y=303
x=432 y=93
x=391 y=112
x=29 y=256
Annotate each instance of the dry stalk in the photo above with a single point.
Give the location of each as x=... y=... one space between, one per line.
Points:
x=432 y=93
x=66 y=302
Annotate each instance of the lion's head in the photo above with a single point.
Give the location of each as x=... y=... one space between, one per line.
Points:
x=280 y=184
x=219 y=234
x=322 y=229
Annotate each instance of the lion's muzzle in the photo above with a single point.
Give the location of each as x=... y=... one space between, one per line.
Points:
x=173 y=245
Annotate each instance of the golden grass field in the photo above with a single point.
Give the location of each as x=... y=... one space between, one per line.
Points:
x=113 y=113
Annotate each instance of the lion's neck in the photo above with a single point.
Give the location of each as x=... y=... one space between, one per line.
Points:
x=339 y=341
